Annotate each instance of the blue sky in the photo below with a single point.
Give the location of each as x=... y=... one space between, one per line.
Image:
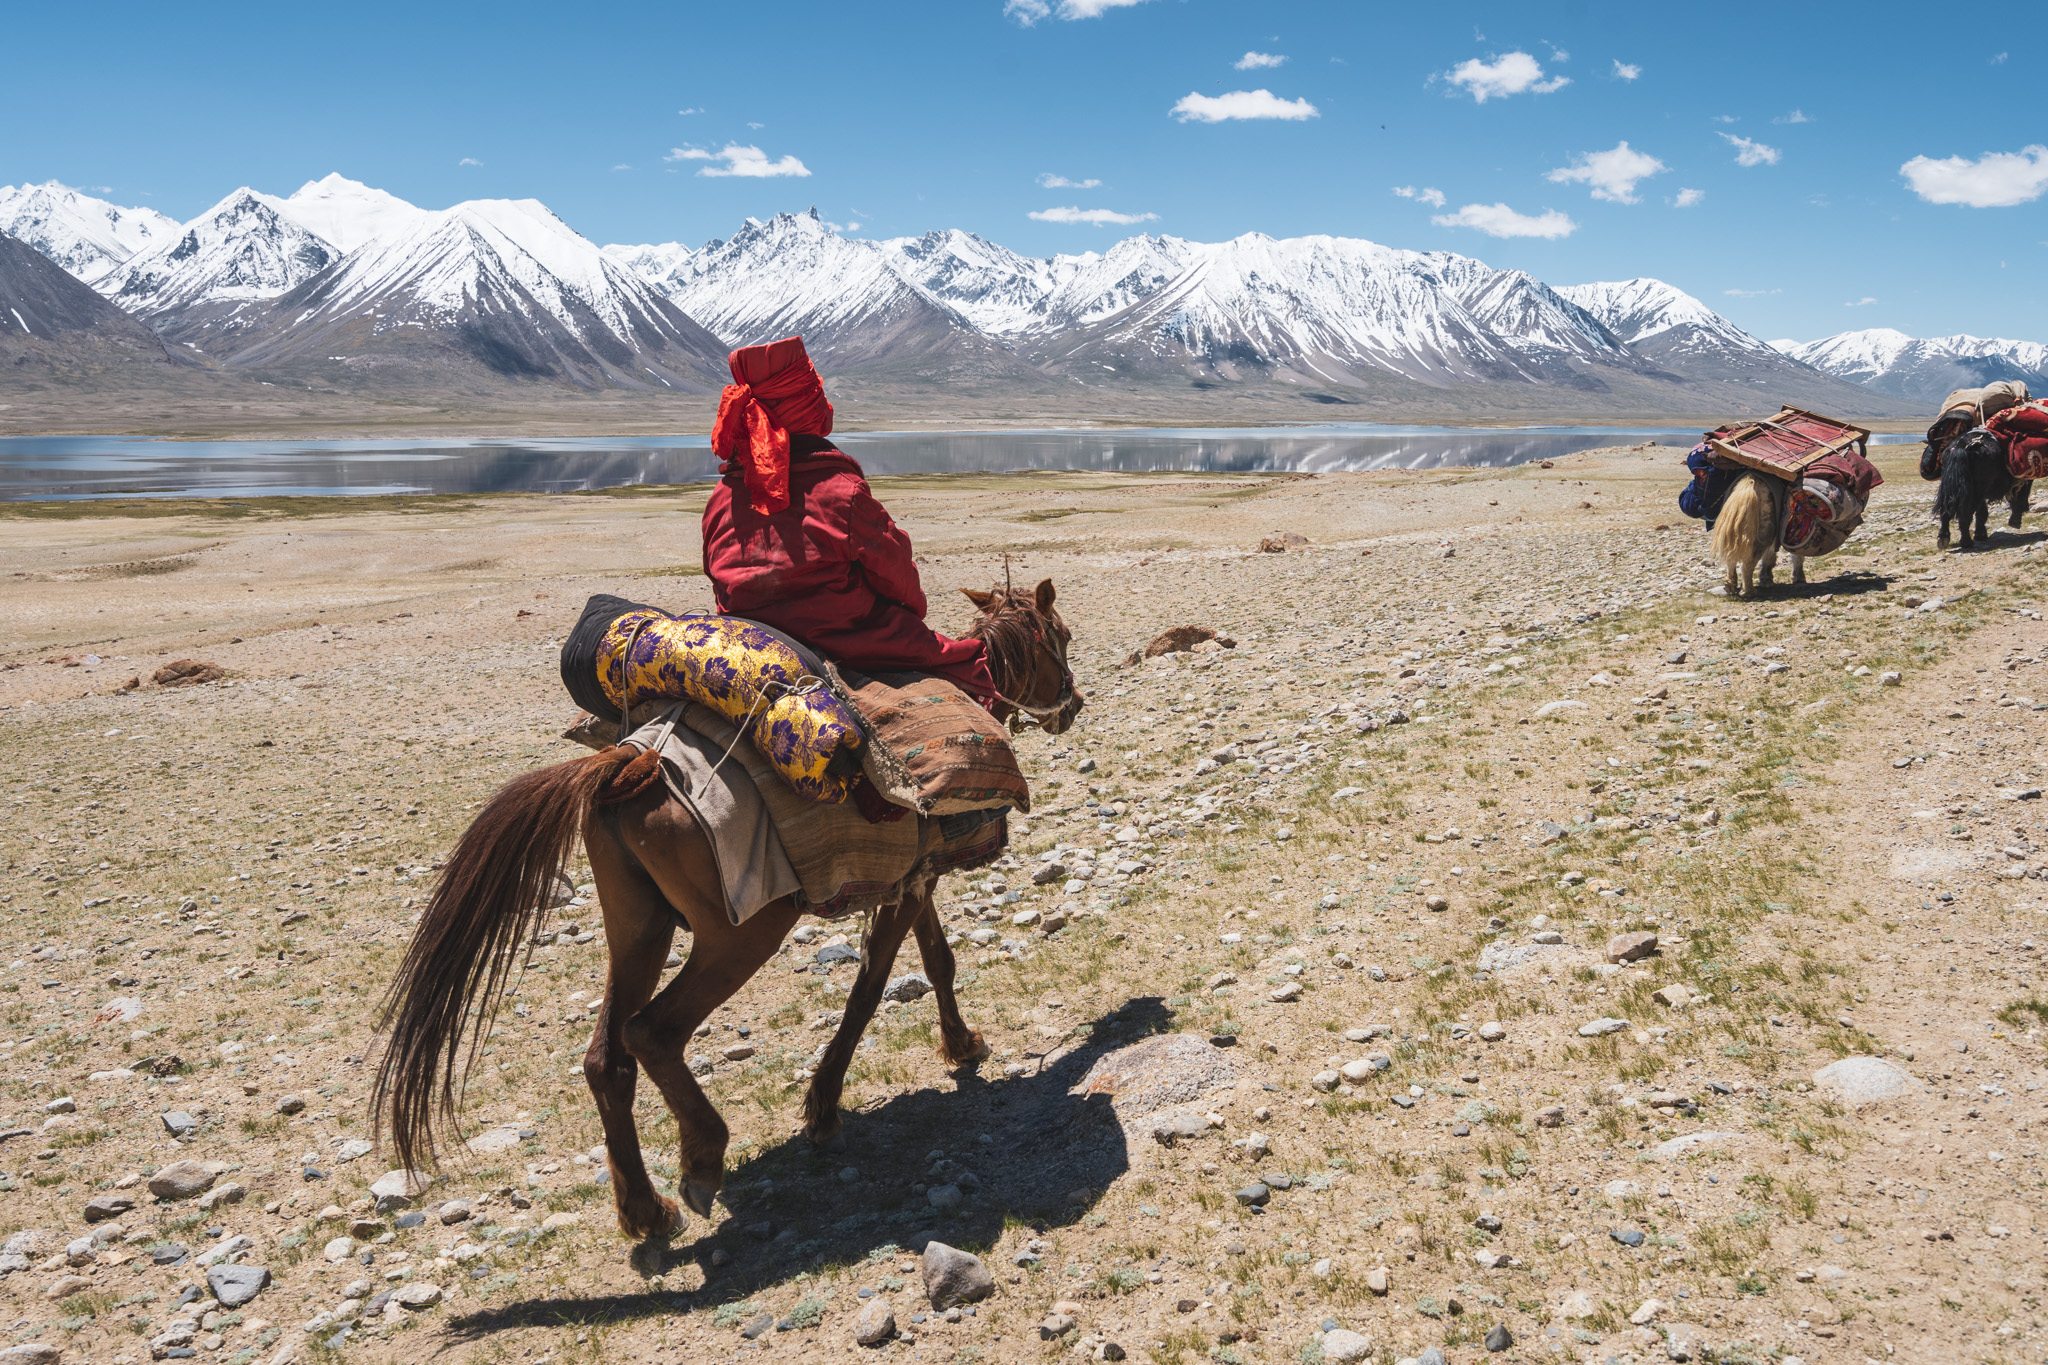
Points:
x=910 y=116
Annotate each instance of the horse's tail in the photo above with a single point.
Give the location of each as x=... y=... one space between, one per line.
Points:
x=1742 y=531
x=490 y=897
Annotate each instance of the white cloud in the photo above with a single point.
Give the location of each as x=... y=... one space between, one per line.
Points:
x=469 y=161
x=749 y=162
x=1060 y=182
x=1254 y=61
x=1726 y=118
x=1613 y=174
x=1559 y=55
x=622 y=166
x=1998 y=58
x=1859 y=303
x=1796 y=116
x=1241 y=104
x=1750 y=293
x=1688 y=198
x=1433 y=198
x=1504 y=76
x=1748 y=153
x=1498 y=220
x=1029 y=12
x=1995 y=180
x=1626 y=71
x=842 y=227
x=1093 y=217
x=687 y=112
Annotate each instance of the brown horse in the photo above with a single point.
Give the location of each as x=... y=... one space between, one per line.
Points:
x=651 y=864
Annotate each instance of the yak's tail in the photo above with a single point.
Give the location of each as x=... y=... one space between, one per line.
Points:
x=1743 y=530
x=491 y=897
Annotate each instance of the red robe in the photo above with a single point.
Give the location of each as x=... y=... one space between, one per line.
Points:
x=831 y=569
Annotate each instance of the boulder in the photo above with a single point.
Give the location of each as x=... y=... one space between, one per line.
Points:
x=876 y=1323
x=235 y=1285
x=952 y=1276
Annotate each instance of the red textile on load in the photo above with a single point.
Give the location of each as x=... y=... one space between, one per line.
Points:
x=775 y=391
x=2024 y=428
x=832 y=569
x=1848 y=470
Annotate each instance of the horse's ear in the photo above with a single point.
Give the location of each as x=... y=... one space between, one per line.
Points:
x=981 y=600
x=1045 y=594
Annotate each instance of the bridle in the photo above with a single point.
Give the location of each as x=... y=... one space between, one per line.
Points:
x=1003 y=612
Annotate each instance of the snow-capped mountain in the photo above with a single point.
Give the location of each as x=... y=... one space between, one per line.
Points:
x=793 y=275
x=1926 y=370
x=245 y=248
x=1008 y=295
x=1646 y=313
x=501 y=284
x=349 y=214
x=86 y=236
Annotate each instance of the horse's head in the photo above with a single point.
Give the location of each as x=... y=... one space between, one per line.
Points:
x=1027 y=654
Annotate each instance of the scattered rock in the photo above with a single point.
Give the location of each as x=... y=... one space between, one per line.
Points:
x=906 y=988
x=1633 y=946
x=876 y=1323
x=1492 y=1032
x=179 y=1124
x=235 y=1285
x=32 y=1353
x=1344 y=1346
x=187 y=673
x=102 y=1207
x=416 y=1295
x=396 y=1190
x=1378 y=1281
x=1167 y=1070
x=1601 y=1026
x=184 y=1179
x=1550 y=1116
x=1674 y=996
x=953 y=1276
x=1865 y=1080
x=64 y=1286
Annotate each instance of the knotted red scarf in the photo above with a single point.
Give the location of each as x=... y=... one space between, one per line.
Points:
x=775 y=391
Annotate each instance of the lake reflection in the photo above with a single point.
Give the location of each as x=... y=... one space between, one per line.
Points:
x=69 y=467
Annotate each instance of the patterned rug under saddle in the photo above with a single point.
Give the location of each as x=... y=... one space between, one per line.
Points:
x=833 y=787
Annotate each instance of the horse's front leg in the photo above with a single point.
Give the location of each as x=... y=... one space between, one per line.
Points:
x=821 y=1103
x=959 y=1045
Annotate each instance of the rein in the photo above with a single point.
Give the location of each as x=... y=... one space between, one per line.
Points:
x=1063 y=699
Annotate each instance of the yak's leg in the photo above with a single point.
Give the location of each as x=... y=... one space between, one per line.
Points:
x=1798 y=571
x=959 y=1045
x=821 y=1103
x=1984 y=520
x=667 y=842
x=1941 y=540
x=637 y=931
x=2017 y=499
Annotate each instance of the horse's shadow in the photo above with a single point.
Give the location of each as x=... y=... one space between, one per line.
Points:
x=1020 y=1148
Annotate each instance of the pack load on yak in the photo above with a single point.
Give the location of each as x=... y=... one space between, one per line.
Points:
x=1986 y=444
x=1796 y=481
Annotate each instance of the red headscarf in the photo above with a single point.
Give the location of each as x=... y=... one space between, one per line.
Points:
x=775 y=391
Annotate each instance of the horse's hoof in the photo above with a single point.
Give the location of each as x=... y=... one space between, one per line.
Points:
x=665 y=1221
x=977 y=1050
x=698 y=1194
x=827 y=1134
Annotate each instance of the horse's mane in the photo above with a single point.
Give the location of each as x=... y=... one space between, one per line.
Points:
x=1004 y=626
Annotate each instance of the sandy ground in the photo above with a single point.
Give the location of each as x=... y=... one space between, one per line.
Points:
x=1476 y=726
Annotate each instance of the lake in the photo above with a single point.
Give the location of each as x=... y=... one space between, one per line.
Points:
x=35 y=468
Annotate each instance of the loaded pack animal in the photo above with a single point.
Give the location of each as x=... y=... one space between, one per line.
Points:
x=1973 y=474
x=1747 y=532
x=654 y=866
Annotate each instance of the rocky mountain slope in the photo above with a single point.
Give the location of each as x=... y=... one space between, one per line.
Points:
x=53 y=325
x=1924 y=371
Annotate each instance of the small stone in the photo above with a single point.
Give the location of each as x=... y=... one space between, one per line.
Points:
x=230 y=1193
x=1500 y=1338
x=1865 y=1080
x=876 y=1323
x=396 y=1190
x=1054 y=1326
x=1888 y=680
x=1254 y=1195
x=64 y=1104
x=416 y=1295
x=339 y=1250
x=945 y=1196
x=1438 y=903
x=1602 y=1026
x=184 y=1179
x=953 y=1276
x=1325 y=1081
x=235 y=1285
x=913 y=986
x=105 y=1206
x=758 y=1326
x=1628 y=1237
x=64 y=1286
x=1649 y=1309
x=1673 y=996
x=555 y=1222
x=456 y=1211
x=1344 y=1346
x=32 y=1353
x=1378 y=1281
x=1290 y=991
x=1633 y=946
x=1550 y=1116
x=1492 y=1032
x=179 y=1124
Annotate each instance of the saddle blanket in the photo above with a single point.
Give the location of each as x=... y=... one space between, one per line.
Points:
x=1823 y=514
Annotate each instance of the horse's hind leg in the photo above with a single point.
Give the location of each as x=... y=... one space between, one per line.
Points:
x=821 y=1103
x=637 y=931
x=959 y=1045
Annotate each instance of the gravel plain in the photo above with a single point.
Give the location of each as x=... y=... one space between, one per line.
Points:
x=1559 y=961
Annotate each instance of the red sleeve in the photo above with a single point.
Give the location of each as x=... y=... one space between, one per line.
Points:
x=883 y=551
